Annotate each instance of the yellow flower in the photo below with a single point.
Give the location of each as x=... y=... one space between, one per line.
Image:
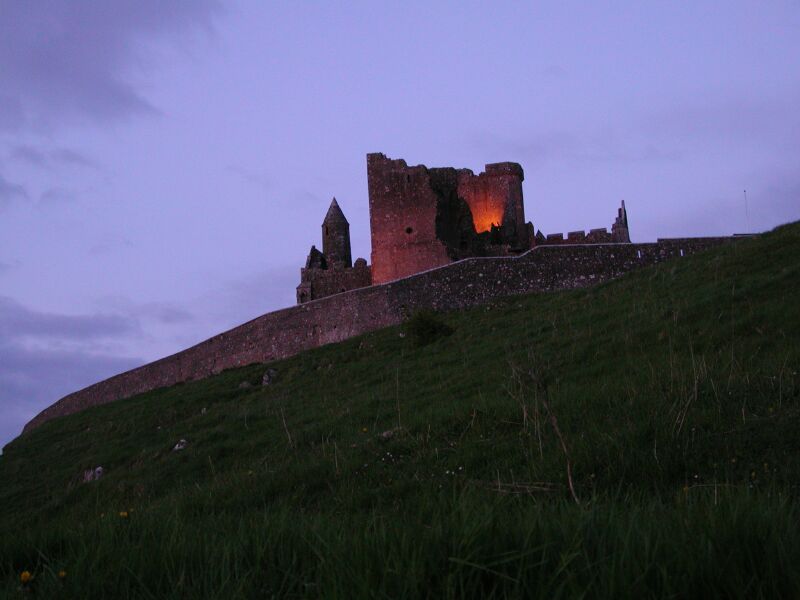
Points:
x=123 y=514
x=62 y=574
x=25 y=577
x=364 y=429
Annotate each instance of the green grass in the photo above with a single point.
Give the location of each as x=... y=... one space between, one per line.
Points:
x=670 y=397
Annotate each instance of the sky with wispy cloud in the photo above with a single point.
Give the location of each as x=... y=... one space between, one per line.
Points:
x=165 y=166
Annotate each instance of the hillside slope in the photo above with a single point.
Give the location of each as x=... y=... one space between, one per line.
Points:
x=638 y=437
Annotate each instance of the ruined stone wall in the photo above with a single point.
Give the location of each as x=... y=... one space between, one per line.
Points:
x=462 y=284
x=402 y=219
x=620 y=234
x=318 y=283
x=495 y=198
x=595 y=236
x=421 y=218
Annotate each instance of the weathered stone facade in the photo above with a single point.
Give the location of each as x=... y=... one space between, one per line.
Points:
x=466 y=283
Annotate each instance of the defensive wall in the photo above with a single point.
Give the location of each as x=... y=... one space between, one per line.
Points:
x=469 y=282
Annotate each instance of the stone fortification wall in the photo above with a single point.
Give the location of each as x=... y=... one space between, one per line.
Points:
x=462 y=284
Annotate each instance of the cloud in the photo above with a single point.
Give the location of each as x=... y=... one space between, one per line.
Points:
x=18 y=323
x=728 y=120
x=779 y=204
x=554 y=72
x=5 y=266
x=48 y=159
x=70 y=157
x=11 y=116
x=56 y=195
x=302 y=196
x=538 y=149
x=32 y=379
x=62 y=60
x=44 y=356
x=250 y=176
x=110 y=245
x=244 y=298
x=30 y=155
x=10 y=191
x=162 y=312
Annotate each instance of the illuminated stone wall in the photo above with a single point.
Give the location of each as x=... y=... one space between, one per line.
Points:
x=422 y=218
x=495 y=198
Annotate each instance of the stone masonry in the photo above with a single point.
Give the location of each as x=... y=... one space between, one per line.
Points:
x=422 y=218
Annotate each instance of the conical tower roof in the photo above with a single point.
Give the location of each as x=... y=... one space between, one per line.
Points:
x=335 y=215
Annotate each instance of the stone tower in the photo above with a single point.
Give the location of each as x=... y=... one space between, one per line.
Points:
x=336 y=237
x=332 y=271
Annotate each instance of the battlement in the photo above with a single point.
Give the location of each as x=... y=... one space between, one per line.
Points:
x=619 y=234
x=505 y=168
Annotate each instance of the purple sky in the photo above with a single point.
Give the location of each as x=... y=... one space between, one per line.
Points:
x=165 y=166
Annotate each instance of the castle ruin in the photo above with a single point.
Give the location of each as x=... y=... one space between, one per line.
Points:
x=442 y=239
x=422 y=218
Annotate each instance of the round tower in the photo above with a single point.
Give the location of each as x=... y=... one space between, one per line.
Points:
x=336 y=238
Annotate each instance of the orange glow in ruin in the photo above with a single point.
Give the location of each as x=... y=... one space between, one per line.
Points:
x=486 y=216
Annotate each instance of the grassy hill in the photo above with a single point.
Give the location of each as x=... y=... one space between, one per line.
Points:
x=636 y=439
